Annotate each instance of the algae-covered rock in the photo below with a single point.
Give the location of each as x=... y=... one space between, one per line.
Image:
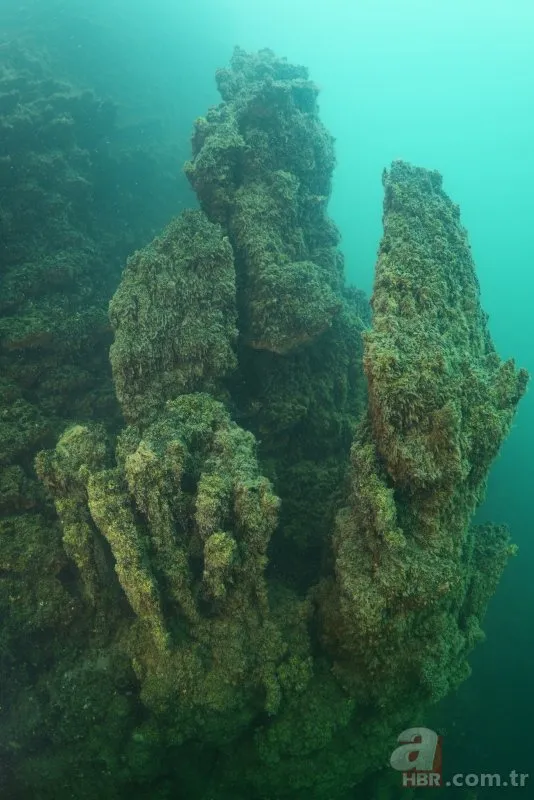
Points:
x=272 y=568
x=262 y=167
x=174 y=317
x=202 y=639
x=66 y=226
x=400 y=614
x=441 y=401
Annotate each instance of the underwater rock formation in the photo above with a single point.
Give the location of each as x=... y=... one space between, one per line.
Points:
x=412 y=578
x=54 y=284
x=175 y=318
x=69 y=216
x=262 y=167
x=272 y=565
x=187 y=518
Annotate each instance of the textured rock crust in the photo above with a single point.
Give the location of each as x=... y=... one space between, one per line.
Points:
x=270 y=570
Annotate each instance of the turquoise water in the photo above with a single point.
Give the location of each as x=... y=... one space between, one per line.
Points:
x=444 y=85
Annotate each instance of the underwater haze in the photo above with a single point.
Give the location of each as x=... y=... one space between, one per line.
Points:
x=102 y=104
